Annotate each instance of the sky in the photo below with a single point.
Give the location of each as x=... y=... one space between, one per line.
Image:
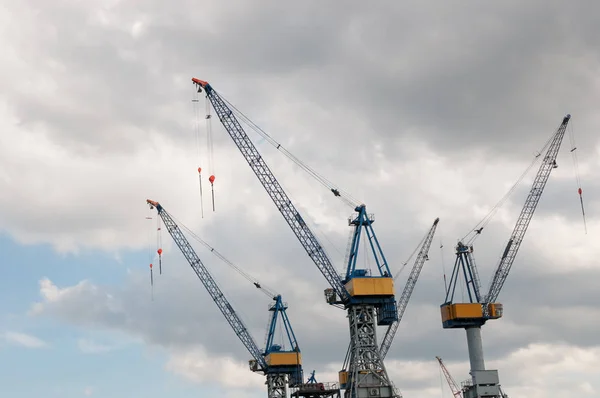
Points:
x=417 y=109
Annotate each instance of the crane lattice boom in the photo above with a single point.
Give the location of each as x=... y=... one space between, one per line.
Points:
x=267 y=178
x=453 y=386
x=408 y=289
x=516 y=238
x=211 y=285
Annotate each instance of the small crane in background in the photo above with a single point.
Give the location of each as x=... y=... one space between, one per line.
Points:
x=457 y=392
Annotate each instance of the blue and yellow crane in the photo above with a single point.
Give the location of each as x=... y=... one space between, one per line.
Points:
x=282 y=367
x=481 y=308
x=368 y=297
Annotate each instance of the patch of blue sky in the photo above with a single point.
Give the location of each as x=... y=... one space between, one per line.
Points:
x=62 y=370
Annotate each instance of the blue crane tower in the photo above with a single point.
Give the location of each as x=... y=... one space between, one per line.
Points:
x=368 y=298
x=281 y=367
x=474 y=314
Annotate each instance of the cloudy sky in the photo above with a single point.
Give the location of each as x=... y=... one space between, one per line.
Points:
x=420 y=110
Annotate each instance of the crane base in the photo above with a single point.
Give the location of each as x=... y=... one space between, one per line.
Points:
x=317 y=390
x=487 y=385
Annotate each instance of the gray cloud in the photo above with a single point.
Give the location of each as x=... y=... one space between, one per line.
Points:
x=458 y=77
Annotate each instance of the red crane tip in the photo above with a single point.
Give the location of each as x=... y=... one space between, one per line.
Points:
x=199 y=82
x=199 y=170
x=211 y=179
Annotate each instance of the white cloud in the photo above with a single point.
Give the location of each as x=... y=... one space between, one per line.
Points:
x=88 y=391
x=536 y=371
x=199 y=366
x=543 y=370
x=24 y=340
x=88 y=346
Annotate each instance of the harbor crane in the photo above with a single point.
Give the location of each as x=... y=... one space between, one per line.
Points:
x=474 y=314
x=368 y=298
x=281 y=367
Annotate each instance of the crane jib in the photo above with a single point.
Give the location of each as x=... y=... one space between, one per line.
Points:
x=304 y=234
x=211 y=286
x=408 y=289
x=531 y=202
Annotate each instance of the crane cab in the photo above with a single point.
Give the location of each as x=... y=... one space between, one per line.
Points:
x=369 y=286
x=253 y=365
x=284 y=358
x=286 y=362
x=376 y=290
x=468 y=314
x=462 y=315
x=343 y=379
x=495 y=310
x=364 y=287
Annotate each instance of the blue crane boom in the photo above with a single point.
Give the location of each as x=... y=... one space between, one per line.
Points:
x=211 y=286
x=267 y=179
x=386 y=343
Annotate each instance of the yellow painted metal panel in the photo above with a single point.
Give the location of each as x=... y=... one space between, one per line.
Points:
x=343 y=377
x=495 y=310
x=376 y=286
x=446 y=312
x=461 y=311
x=284 y=358
x=466 y=310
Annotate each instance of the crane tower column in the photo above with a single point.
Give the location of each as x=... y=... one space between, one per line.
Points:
x=475 y=347
x=276 y=383
x=366 y=371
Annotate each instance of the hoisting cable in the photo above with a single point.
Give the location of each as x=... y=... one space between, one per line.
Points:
x=150 y=257
x=159 y=244
x=343 y=195
x=195 y=102
x=247 y=276
x=577 y=177
x=211 y=155
x=443 y=266
x=411 y=256
x=470 y=237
